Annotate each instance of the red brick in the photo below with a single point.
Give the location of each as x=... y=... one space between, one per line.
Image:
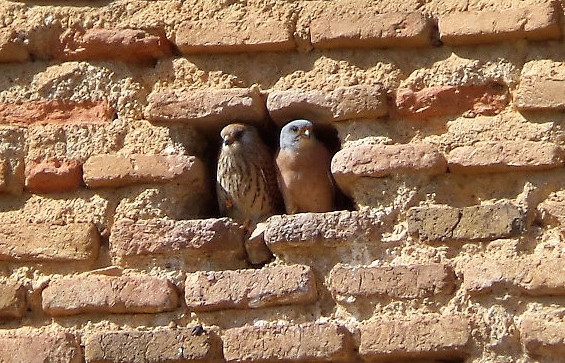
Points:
x=44 y=242
x=93 y=293
x=12 y=47
x=54 y=111
x=536 y=22
x=39 y=346
x=399 y=282
x=12 y=300
x=250 y=289
x=505 y=156
x=542 y=84
x=487 y=99
x=310 y=342
x=346 y=27
x=418 y=337
x=158 y=345
x=199 y=237
x=343 y=103
x=102 y=171
x=254 y=34
x=542 y=337
x=211 y=108
x=50 y=176
x=128 y=45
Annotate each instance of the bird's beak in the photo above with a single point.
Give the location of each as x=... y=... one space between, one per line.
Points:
x=306 y=133
x=228 y=139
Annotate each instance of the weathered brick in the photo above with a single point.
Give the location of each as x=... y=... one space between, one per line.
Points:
x=12 y=47
x=12 y=300
x=129 y=45
x=344 y=27
x=4 y=167
x=117 y=170
x=158 y=345
x=45 y=242
x=505 y=156
x=486 y=99
x=401 y=282
x=39 y=346
x=199 y=237
x=536 y=22
x=250 y=289
x=211 y=109
x=542 y=337
x=13 y=148
x=304 y=230
x=244 y=35
x=55 y=111
x=475 y=223
x=310 y=342
x=552 y=210
x=541 y=87
x=49 y=176
x=343 y=103
x=95 y=293
x=419 y=337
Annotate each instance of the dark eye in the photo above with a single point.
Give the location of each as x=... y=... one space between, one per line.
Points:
x=294 y=128
x=238 y=134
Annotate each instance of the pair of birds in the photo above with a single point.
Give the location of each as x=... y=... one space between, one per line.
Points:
x=249 y=185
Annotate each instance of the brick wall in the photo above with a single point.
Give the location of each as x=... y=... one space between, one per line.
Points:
x=449 y=117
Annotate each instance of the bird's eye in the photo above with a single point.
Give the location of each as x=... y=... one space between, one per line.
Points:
x=238 y=134
x=294 y=129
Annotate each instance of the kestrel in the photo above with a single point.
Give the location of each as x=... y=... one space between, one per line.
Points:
x=246 y=181
x=303 y=170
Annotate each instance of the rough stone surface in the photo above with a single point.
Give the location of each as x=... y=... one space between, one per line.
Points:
x=12 y=47
x=93 y=293
x=49 y=176
x=542 y=337
x=250 y=289
x=39 y=346
x=541 y=85
x=313 y=342
x=48 y=242
x=12 y=300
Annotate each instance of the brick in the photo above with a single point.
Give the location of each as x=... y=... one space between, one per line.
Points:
x=210 y=109
x=299 y=231
x=4 y=167
x=93 y=293
x=50 y=176
x=343 y=103
x=487 y=99
x=344 y=27
x=552 y=210
x=157 y=345
x=399 y=282
x=418 y=337
x=12 y=47
x=39 y=346
x=250 y=289
x=535 y=22
x=244 y=35
x=128 y=45
x=542 y=337
x=199 y=237
x=505 y=156
x=55 y=111
x=528 y=275
x=310 y=342
x=112 y=171
x=475 y=223
x=12 y=300
x=255 y=247
x=35 y=242
x=541 y=87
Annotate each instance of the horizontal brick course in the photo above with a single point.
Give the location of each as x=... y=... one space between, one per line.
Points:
x=542 y=337
x=12 y=47
x=401 y=282
x=541 y=87
x=49 y=176
x=419 y=337
x=92 y=293
x=249 y=289
x=12 y=300
x=39 y=346
x=35 y=242
x=312 y=342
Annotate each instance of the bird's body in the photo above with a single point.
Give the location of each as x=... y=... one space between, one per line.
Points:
x=303 y=170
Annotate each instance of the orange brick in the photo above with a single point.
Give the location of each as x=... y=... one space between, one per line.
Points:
x=505 y=156
x=245 y=35
x=49 y=176
x=541 y=87
x=543 y=337
x=418 y=337
x=92 y=293
x=250 y=289
x=39 y=346
x=12 y=47
x=45 y=242
x=536 y=22
x=399 y=282
x=12 y=300
x=311 y=342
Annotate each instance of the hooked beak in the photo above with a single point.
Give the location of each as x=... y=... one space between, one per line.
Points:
x=228 y=139
x=306 y=133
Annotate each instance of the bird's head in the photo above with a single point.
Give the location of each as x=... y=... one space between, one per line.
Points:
x=297 y=133
x=238 y=135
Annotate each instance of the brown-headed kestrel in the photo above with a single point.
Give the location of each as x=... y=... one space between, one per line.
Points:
x=303 y=170
x=246 y=181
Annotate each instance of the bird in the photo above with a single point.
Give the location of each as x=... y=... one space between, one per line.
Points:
x=246 y=182
x=303 y=170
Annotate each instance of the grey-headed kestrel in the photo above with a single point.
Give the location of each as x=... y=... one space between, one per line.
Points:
x=303 y=170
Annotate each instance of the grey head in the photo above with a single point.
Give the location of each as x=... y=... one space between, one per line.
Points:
x=296 y=133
